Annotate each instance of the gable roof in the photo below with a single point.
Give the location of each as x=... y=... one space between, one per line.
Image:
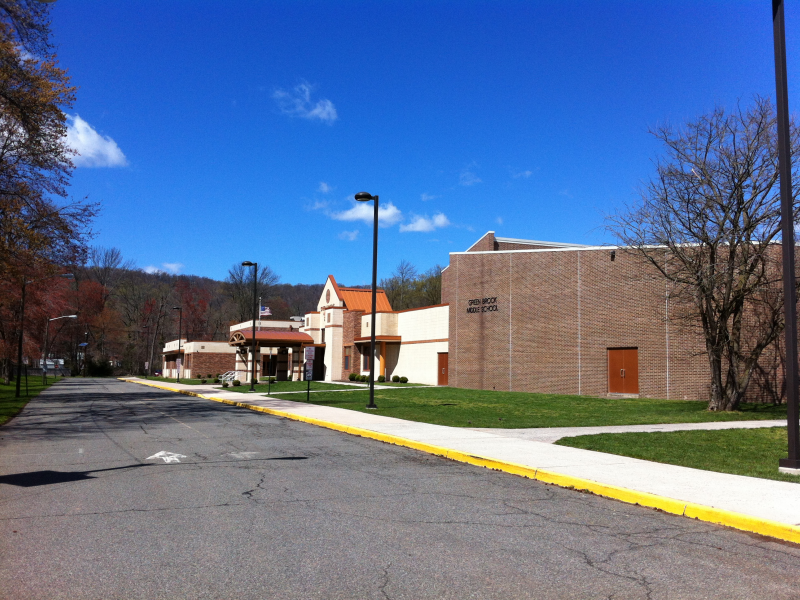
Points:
x=361 y=299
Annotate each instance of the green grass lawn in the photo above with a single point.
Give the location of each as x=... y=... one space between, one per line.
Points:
x=391 y=384
x=752 y=452
x=479 y=408
x=10 y=406
x=279 y=387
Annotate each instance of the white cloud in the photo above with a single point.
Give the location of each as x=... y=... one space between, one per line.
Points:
x=297 y=103
x=499 y=220
x=94 y=150
x=468 y=177
x=318 y=205
x=388 y=214
x=423 y=224
x=324 y=187
x=522 y=174
x=151 y=269
x=350 y=236
x=426 y=197
x=173 y=268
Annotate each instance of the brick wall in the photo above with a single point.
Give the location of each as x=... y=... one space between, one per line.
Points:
x=486 y=244
x=203 y=363
x=446 y=285
x=557 y=314
x=351 y=329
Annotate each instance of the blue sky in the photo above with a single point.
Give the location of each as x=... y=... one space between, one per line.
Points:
x=215 y=132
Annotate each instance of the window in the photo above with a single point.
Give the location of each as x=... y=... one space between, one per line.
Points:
x=365 y=366
x=329 y=317
x=347 y=354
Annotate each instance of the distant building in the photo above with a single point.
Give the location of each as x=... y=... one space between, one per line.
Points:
x=198 y=358
x=408 y=343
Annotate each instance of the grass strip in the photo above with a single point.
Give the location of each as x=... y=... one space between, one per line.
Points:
x=278 y=387
x=457 y=407
x=750 y=452
x=11 y=406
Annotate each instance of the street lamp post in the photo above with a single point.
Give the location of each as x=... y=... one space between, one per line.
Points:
x=180 y=326
x=46 y=336
x=25 y=283
x=247 y=263
x=792 y=463
x=366 y=197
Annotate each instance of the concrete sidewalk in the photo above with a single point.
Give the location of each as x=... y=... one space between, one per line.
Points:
x=550 y=435
x=759 y=505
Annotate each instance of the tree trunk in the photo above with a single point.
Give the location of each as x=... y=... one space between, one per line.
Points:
x=717 y=400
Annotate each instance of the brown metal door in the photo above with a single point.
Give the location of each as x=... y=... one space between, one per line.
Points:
x=442 y=380
x=631 y=367
x=623 y=370
x=616 y=369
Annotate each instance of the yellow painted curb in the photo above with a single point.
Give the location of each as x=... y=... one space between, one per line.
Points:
x=774 y=529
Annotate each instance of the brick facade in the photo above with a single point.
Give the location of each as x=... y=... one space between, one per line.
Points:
x=351 y=329
x=203 y=363
x=546 y=319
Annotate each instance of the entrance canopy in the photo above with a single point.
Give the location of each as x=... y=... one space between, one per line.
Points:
x=270 y=339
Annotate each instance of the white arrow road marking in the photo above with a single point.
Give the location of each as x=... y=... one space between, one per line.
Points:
x=242 y=455
x=169 y=457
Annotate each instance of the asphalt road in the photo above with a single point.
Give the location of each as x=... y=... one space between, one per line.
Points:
x=264 y=507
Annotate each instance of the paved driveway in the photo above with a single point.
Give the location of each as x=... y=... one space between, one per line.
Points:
x=256 y=506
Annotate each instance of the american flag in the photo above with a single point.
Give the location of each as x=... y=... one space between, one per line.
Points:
x=264 y=311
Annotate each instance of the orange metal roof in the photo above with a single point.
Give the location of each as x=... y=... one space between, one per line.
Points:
x=361 y=299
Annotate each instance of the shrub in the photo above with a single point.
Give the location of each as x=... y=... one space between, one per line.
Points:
x=216 y=380
x=396 y=378
x=352 y=376
x=224 y=384
x=364 y=378
x=218 y=374
x=209 y=376
x=236 y=382
x=204 y=380
x=404 y=380
x=273 y=379
x=381 y=378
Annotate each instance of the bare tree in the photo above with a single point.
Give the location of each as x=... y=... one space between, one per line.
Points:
x=399 y=287
x=106 y=267
x=429 y=286
x=709 y=222
x=239 y=286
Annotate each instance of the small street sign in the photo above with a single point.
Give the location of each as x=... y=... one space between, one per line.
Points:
x=309 y=352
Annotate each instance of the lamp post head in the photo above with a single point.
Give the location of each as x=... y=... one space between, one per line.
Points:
x=364 y=196
x=247 y=263
x=176 y=308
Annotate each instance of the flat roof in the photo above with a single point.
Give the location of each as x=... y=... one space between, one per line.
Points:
x=567 y=248
x=538 y=243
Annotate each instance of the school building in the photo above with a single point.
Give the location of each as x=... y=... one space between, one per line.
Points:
x=516 y=315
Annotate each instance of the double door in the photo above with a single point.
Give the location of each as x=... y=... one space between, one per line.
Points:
x=623 y=370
